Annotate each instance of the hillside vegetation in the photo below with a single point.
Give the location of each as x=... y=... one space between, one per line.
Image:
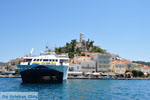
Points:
x=75 y=47
x=3 y=64
x=142 y=62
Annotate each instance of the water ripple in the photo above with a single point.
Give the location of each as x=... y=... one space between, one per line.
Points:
x=82 y=89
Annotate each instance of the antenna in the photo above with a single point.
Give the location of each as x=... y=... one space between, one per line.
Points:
x=30 y=54
x=47 y=46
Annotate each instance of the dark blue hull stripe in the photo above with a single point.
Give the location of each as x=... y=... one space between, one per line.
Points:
x=41 y=74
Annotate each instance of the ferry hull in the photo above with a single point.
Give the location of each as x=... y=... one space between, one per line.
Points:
x=43 y=73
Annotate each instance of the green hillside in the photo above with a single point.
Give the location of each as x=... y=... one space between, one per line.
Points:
x=142 y=62
x=3 y=64
x=75 y=47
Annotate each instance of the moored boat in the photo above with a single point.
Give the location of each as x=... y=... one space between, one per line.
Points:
x=48 y=67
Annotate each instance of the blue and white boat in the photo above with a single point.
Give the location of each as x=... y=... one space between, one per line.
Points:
x=48 y=67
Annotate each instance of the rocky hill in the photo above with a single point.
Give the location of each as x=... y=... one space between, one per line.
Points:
x=75 y=47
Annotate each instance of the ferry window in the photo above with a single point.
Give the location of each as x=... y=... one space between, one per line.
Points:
x=45 y=60
x=40 y=59
x=53 y=60
x=34 y=59
x=50 y=60
x=37 y=59
x=64 y=60
x=56 y=60
x=28 y=60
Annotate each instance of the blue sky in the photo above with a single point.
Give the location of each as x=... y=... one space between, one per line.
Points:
x=119 y=26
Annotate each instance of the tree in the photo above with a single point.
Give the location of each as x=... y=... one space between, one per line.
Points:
x=73 y=44
x=148 y=74
x=128 y=71
x=135 y=73
x=91 y=43
x=141 y=73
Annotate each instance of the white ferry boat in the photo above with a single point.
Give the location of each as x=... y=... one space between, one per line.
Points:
x=48 y=67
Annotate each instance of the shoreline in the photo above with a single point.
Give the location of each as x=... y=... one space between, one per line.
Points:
x=111 y=78
x=88 y=78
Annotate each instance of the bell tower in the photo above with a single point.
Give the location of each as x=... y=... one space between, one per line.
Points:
x=81 y=37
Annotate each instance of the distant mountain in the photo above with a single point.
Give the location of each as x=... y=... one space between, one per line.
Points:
x=3 y=64
x=142 y=62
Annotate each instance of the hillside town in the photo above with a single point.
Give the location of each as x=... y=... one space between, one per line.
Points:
x=89 y=61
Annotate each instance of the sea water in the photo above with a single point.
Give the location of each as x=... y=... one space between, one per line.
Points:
x=81 y=89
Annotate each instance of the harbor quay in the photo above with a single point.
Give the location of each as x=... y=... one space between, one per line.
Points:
x=92 y=77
